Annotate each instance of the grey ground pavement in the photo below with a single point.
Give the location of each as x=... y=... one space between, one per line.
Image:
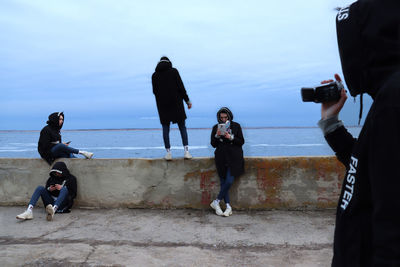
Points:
x=136 y=237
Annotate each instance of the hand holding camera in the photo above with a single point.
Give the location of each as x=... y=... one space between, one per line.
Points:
x=330 y=93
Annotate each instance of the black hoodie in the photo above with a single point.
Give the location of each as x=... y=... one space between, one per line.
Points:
x=50 y=136
x=67 y=179
x=170 y=92
x=228 y=153
x=367 y=231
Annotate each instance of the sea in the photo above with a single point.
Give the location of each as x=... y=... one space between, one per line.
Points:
x=148 y=143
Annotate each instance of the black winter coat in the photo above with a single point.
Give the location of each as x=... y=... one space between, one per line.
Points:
x=229 y=153
x=170 y=92
x=68 y=180
x=367 y=231
x=49 y=137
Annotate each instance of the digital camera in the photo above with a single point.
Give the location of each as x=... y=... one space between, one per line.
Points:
x=329 y=92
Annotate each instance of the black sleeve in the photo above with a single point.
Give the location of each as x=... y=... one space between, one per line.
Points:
x=384 y=176
x=153 y=82
x=44 y=145
x=214 y=141
x=71 y=185
x=238 y=138
x=181 y=87
x=49 y=182
x=341 y=142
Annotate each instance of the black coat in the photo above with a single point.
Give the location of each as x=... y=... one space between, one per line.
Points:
x=67 y=179
x=170 y=92
x=367 y=231
x=49 y=137
x=229 y=153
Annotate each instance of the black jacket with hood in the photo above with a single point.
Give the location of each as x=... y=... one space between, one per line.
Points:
x=67 y=180
x=367 y=231
x=170 y=92
x=50 y=136
x=228 y=153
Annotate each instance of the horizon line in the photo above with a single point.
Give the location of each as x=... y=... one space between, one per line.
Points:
x=191 y=128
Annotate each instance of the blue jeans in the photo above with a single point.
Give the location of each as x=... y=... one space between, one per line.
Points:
x=63 y=151
x=225 y=186
x=47 y=198
x=182 y=129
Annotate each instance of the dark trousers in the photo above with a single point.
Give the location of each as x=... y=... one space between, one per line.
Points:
x=63 y=151
x=182 y=129
x=225 y=186
x=47 y=198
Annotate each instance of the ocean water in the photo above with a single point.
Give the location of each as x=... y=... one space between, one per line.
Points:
x=149 y=143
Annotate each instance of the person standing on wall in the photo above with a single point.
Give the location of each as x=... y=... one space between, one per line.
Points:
x=170 y=92
x=227 y=139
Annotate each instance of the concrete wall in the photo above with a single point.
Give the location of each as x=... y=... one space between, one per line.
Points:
x=269 y=182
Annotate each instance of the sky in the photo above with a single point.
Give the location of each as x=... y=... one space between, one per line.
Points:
x=93 y=59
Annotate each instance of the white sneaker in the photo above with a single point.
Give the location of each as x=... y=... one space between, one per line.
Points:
x=27 y=215
x=87 y=155
x=228 y=212
x=50 y=212
x=168 y=156
x=187 y=155
x=216 y=207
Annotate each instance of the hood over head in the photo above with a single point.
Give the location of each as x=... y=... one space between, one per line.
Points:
x=54 y=119
x=61 y=168
x=163 y=64
x=368 y=33
x=227 y=111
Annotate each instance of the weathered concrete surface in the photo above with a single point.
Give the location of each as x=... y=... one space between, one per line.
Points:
x=126 y=237
x=269 y=182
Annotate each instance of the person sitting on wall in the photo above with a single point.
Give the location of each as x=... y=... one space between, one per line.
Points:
x=227 y=139
x=58 y=195
x=50 y=146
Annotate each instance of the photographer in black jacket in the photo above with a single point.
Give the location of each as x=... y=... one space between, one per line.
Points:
x=367 y=231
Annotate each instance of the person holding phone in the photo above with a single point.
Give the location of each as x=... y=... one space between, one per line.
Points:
x=58 y=194
x=50 y=146
x=227 y=139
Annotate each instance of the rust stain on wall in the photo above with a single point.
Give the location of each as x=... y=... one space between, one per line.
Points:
x=206 y=184
x=269 y=180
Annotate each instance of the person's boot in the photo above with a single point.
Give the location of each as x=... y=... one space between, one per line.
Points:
x=86 y=154
x=27 y=215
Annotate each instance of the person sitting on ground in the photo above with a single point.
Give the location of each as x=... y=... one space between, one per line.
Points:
x=50 y=146
x=228 y=156
x=60 y=191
